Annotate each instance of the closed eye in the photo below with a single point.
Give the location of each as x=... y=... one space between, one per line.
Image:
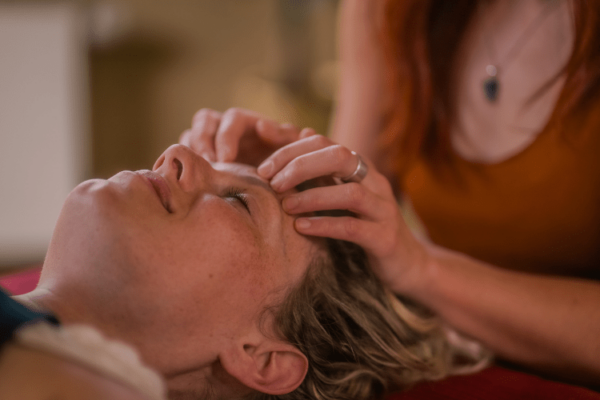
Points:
x=238 y=195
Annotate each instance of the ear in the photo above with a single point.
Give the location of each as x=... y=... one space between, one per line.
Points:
x=269 y=365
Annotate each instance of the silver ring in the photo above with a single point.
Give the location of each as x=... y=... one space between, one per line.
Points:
x=359 y=173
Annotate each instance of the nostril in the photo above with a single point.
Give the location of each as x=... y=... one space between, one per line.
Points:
x=179 y=166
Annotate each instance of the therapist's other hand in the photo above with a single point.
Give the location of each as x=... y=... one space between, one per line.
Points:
x=376 y=225
x=236 y=135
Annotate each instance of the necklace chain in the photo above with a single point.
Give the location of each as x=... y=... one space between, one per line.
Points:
x=491 y=85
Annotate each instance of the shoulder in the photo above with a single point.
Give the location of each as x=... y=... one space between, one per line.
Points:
x=30 y=374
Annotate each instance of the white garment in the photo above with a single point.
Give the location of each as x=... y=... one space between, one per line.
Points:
x=88 y=347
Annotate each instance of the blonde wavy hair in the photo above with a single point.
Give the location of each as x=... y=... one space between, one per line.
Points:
x=360 y=340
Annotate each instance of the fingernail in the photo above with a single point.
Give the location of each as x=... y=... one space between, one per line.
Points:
x=260 y=125
x=265 y=169
x=277 y=181
x=289 y=203
x=302 y=223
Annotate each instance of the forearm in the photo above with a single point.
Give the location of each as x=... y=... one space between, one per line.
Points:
x=548 y=323
x=358 y=115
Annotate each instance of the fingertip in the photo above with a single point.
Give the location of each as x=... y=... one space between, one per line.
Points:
x=260 y=125
x=209 y=156
x=224 y=154
x=266 y=169
x=307 y=132
x=290 y=203
x=303 y=224
x=277 y=183
x=289 y=129
x=184 y=138
x=266 y=129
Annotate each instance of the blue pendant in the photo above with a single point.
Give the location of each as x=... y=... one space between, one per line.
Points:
x=490 y=88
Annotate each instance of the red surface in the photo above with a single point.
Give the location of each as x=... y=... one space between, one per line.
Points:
x=494 y=383
x=21 y=282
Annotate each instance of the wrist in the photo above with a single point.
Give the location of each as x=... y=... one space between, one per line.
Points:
x=419 y=276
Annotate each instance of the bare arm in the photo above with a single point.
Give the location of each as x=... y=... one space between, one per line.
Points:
x=358 y=114
x=551 y=324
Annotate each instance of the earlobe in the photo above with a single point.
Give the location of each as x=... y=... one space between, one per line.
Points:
x=271 y=367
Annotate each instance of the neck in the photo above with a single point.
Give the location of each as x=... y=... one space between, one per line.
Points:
x=492 y=131
x=64 y=290
x=45 y=299
x=74 y=296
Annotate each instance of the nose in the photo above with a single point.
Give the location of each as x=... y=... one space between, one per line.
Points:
x=180 y=164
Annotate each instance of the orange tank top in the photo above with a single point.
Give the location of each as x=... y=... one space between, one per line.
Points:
x=537 y=211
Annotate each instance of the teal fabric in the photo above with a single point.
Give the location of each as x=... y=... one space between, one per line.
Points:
x=14 y=315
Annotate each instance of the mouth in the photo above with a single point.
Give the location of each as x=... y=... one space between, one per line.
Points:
x=160 y=187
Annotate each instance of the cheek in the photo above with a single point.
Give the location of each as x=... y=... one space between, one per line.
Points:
x=210 y=251
x=94 y=227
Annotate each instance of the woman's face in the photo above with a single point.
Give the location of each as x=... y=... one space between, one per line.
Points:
x=178 y=259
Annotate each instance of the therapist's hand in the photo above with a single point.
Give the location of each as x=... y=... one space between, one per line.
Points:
x=236 y=135
x=377 y=226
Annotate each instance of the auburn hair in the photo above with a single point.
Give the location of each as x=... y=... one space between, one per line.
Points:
x=420 y=38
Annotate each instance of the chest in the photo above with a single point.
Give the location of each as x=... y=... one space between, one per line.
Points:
x=538 y=211
x=529 y=42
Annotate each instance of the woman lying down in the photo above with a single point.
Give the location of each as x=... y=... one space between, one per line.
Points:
x=198 y=268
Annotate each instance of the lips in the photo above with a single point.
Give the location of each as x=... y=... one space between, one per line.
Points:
x=160 y=186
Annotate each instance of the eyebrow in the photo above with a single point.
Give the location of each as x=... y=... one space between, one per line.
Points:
x=257 y=182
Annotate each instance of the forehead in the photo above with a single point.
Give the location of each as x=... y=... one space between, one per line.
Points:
x=244 y=171
x=248 y=174
x=296 y=248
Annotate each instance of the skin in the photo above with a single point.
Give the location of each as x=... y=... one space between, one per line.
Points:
x=525 y=318
x=182 y=273
x=549 y=324
x=28 y=374
x=492 y=132
x=485 y=132
x=236 y=134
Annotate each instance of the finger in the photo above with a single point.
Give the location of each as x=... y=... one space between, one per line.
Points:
x=234 y=123
x=334 y=160
x=185 y=138
x=307 y=132
x=377 y=182
x=201 y=137
x=279 y=159
x=353 y=197
x=276 y=134
x=202 y=114
x=364 y=233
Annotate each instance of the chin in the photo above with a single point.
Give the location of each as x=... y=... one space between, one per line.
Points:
x=92 y=224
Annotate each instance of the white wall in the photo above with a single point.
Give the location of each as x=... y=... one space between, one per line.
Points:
x=43 y=122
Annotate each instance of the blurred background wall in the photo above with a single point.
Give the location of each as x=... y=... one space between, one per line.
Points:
x=139 y=71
